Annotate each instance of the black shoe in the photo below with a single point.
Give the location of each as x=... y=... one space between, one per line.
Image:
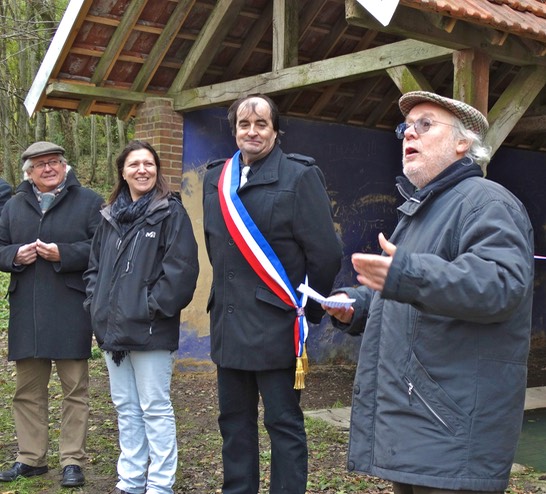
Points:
x=21 y=470
x=72 y=476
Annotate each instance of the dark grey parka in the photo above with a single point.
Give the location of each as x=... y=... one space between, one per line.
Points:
x=440 y=384
x=47 y=319
x=251 y=327
x=138 y=283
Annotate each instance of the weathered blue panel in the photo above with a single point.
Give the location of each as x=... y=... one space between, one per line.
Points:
x=360 y=167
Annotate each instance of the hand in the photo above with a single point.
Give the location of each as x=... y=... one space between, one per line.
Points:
x=26 y=254
x=49 y=252
x=342 y=314
x=373 y=269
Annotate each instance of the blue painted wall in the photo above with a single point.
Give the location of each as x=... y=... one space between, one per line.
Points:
x=360 y=167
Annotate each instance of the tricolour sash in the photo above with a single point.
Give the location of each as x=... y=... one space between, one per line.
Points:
x=261 y=257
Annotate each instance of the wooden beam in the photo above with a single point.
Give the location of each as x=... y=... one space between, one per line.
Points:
x=409 y=79
x=513 y=103
x=471 y=78
x=207 y=44
x=77 y=91
x=115 y=45
x=425 y=26
x=158 y=52
x=285 y=34
x=72 y=105
x=352 y=66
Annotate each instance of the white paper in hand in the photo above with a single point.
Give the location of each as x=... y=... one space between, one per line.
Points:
x=334 y=301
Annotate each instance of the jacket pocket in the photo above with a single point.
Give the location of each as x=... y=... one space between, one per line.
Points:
x=436 y=403
x=74 y=281
x=265 y=295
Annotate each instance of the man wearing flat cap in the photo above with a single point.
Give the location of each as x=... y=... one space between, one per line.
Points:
x=446 y=315
x=45 y=239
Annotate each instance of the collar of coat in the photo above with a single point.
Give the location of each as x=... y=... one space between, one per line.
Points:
x=451 y=176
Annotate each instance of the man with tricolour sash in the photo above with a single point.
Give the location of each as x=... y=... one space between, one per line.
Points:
x=268 y=227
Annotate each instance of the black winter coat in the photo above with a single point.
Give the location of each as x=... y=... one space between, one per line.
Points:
x=47 y=319
x=138 y=283
x=251 y=327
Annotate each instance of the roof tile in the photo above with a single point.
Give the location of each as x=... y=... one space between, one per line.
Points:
x=525 y=18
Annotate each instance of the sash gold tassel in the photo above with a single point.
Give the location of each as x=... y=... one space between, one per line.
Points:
x=302 y=367
x=305 y=360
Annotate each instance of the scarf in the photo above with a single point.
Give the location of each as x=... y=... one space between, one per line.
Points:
x=45 y=199
x=126 y=211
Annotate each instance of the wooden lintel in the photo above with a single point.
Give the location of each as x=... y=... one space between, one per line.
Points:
x=79 y=91
x=359 y=65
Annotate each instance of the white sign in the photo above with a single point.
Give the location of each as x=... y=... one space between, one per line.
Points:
x=382 y=10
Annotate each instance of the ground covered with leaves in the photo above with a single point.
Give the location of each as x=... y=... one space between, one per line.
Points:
x=200 y=466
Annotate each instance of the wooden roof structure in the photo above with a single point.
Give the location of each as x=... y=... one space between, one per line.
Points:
x=328 y=60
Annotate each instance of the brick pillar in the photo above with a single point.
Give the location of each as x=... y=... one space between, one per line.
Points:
x=157 y=123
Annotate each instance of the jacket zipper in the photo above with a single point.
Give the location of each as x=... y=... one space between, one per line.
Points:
x=412 y=390
x=132 y=252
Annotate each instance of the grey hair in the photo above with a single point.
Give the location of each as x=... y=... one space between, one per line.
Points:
x=478 y=151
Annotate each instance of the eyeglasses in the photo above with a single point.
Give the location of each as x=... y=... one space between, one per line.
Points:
x=42 y=164
x=421 y=126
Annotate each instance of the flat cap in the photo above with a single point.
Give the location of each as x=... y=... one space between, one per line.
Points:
x=471 y=118
x=40 y=148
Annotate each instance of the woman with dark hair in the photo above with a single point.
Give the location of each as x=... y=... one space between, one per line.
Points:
x=142 y=272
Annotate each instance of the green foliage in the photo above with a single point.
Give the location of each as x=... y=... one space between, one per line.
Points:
x=26 y=31
x=96 y=353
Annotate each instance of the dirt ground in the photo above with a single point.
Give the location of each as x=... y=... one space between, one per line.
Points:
x=200 y=469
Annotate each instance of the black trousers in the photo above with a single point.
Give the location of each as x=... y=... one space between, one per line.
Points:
x=238 y=394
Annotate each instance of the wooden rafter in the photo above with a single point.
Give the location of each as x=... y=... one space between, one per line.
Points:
x=115 y=45
x=207 y=43
x=154 y=59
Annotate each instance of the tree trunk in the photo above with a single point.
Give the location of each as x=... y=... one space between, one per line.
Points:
x=93 y=138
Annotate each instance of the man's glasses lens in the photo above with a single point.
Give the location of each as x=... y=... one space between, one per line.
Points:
x=43 y=164
x=421 y=126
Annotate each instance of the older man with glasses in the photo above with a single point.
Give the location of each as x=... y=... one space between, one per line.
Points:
x=45 y=240
x=440 y=384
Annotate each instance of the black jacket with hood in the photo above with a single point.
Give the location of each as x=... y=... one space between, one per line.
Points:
x=138 y=283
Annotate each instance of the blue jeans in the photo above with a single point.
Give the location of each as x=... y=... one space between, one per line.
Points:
x=140 y=390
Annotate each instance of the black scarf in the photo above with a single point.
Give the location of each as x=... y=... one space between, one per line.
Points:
x=126 y=211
